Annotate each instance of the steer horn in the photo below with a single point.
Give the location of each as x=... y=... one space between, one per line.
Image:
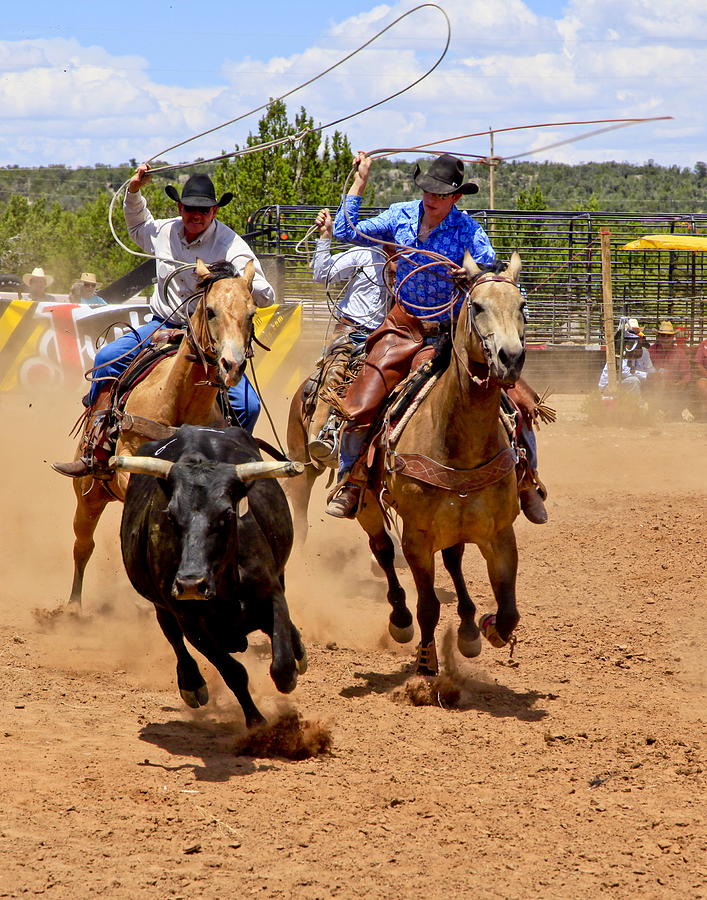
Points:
x=253 y=470
x=142 y=465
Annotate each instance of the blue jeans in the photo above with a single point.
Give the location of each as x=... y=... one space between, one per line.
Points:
x=245 y=403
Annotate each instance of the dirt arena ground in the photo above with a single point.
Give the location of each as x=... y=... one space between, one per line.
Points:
x=577 y=769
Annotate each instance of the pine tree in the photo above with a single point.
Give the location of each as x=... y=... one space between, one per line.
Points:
x=531 y=199
x=292 y=173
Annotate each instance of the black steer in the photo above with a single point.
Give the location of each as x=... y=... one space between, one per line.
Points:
x=207 y=543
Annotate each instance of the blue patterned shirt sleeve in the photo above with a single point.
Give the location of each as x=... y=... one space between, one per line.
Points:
x=381 y=227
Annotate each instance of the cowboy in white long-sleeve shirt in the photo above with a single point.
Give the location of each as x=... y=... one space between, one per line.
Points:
x=359 y=309
x=364 y=300
x=194 y=234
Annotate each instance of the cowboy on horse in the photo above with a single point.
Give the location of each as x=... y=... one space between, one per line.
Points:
x=195 y=234
x=416 y=325
x=358 y=310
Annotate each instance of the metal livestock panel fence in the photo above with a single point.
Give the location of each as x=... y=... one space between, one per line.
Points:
x=561 y=268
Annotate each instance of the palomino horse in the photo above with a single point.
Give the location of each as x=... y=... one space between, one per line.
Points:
x=457 y=427
x=178 y=391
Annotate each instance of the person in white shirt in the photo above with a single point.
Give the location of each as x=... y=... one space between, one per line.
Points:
x=358 y=310
x=364 y=300
x=636 y=365
x=194 y=234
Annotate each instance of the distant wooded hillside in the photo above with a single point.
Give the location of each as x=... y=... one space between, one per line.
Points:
x=610 y=187
x=56 y=217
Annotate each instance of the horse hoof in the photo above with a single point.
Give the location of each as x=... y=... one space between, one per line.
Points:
x=487 y=625
x=401 y=635
x=469 y=648
x=197 y=698
x=424 y=672
x=302 y=664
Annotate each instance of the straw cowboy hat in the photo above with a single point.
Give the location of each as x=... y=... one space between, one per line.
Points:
x=90 y=278
x=198 y=191
x=444 y=176
x=37 y=273
x=666 y=327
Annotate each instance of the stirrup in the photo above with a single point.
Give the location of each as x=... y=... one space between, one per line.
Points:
x=324 y=450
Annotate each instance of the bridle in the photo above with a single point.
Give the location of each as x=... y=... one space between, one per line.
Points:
x=488 y=340
x=202 y=345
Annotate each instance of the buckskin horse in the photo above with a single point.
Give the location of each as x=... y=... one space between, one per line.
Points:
x=180 y=389
x=451 y=477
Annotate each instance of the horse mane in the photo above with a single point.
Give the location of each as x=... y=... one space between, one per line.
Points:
x=222 y=268
x=497 y=266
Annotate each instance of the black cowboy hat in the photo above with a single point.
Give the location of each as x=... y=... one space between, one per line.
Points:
x=444 y=176
x=198 y=191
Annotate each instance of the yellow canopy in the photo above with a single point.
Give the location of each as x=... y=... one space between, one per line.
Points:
x=668 y=242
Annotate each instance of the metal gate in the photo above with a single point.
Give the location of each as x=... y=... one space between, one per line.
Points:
x=561 y=268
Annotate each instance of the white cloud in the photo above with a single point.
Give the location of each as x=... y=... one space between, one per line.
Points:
x=61 y=101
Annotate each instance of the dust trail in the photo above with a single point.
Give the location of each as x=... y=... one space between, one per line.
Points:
x=290 y=736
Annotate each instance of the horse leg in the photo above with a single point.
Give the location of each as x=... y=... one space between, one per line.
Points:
x=422 y=564
x=371 y=520
x=89 y=507
x=190 y=681
x=468 y=635
x=501 y=555
x=299 y=489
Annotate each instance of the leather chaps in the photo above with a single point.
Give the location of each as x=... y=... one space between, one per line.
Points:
x=395 y=348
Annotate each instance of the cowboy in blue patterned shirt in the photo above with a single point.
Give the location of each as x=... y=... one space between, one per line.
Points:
x=403 y=340
x=433 y=224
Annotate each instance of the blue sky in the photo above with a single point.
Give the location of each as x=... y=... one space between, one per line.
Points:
x=90 y=82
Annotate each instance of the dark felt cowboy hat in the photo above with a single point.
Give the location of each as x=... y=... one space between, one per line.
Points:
x=444 y=176
x=198 y=191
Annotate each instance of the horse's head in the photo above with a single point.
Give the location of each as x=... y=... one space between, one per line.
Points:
x=494 y=320
x=223 y=319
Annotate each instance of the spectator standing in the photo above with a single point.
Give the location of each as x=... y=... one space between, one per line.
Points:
x=38 y=281
x=88 y=287
x=672 y=370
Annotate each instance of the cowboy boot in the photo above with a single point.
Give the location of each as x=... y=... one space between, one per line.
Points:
x=344 y=504
x=532 y=494
x=96 y=445
x=77 y=468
